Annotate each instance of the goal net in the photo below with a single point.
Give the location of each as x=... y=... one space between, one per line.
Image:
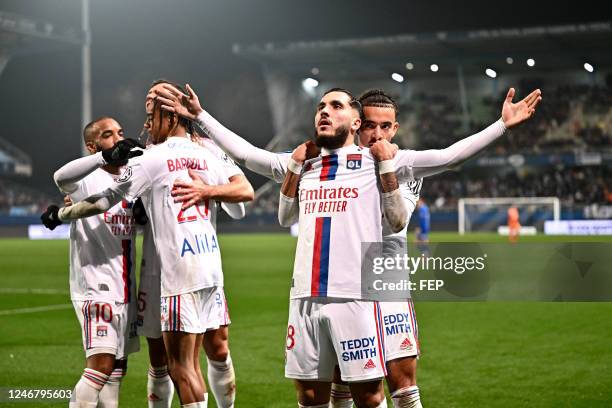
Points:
x=491 y=214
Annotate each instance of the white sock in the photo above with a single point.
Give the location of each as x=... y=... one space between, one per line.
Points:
x=313 y=406
x=87 y=390
x=160 y=389
x=222 y=381
x=408 y=397
x=109 y=395
x=340 y=396
x=200 y=404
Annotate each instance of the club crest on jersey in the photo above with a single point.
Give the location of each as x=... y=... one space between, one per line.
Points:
x=101 y=331
x=353 y=161
x=127 y=174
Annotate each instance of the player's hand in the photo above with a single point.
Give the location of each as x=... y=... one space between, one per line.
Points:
x=139 y=213
x=190 y=193
x=50 y=218
x=305 y=151
x=383 y=150
x=119 y=154
x=173 y=100
x=516 y=113
x=67 y=201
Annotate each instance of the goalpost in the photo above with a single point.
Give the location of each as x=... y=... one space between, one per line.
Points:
x=484 y=213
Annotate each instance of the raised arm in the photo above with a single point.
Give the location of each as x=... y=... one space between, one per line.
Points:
x=425 y=163
x=393 y=205
x=260 y=161
x=288 y=204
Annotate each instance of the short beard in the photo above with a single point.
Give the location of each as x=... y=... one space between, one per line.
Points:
x=333 y=142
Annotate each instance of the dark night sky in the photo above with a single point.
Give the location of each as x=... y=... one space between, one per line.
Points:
x=137 y=41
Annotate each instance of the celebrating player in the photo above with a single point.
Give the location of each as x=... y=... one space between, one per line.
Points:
x=186 y=240
x=102 y=253
x=221 y=376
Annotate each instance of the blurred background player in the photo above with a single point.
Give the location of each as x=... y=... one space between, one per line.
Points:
x=422 y=230
x=102 y=254
x=221 y=377
x=514 y=224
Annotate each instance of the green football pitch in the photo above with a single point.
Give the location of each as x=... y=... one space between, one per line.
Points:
x=474 y=354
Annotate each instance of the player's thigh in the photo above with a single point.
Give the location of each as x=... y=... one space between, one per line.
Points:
x=401 y=373
x=216 y=344
x=157 y=352
x=356 y=335
x=310 y=355
x=180 y=347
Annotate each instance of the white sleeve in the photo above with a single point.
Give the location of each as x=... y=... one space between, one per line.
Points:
x=260 y=161
x=92 y=205
x=235 y=210
x=413 y=164
x=68 y=176
x=288 y=210
x=133 y=182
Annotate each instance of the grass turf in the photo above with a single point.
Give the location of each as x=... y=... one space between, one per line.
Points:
x=495 y=354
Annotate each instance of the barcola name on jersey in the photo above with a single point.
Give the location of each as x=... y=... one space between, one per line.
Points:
x=186 y=163
x=325 y=200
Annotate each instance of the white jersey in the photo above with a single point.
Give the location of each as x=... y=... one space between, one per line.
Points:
x=102 y=247
x=340 y=208
x=397 y=243
x=185 y=241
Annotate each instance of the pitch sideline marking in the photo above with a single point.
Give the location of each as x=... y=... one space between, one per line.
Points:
x=35 y=309
x=33 y=291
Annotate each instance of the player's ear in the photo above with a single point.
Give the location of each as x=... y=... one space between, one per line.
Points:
x=356 y=124
x=91 y=147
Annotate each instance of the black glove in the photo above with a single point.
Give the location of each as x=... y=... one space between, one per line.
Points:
x=139 y=213
x=50 y=217
x=119 y=154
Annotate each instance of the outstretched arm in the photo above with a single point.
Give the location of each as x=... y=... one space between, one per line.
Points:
x=68 y=176
x=429 y=162
x=260 y=161
x=288 y=204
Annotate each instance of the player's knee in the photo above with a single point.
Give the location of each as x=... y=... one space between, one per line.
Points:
x=103 y=363
x=180 y=374
x=219 y=352
x=369 y=400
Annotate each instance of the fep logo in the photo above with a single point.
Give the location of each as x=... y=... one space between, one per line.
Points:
x=353 y=161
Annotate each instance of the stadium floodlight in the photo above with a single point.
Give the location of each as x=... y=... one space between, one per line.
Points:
x=490 y=73
x=434 y=67
x=530 y=62
x=409 y=66
x=488 y=213
x=510 y=60
x=314 y=71
x=310 y=83
x=397 y=77
x=588 y=67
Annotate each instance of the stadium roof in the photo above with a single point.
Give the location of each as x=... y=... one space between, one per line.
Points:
x=553 y=48
x=24 y=35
